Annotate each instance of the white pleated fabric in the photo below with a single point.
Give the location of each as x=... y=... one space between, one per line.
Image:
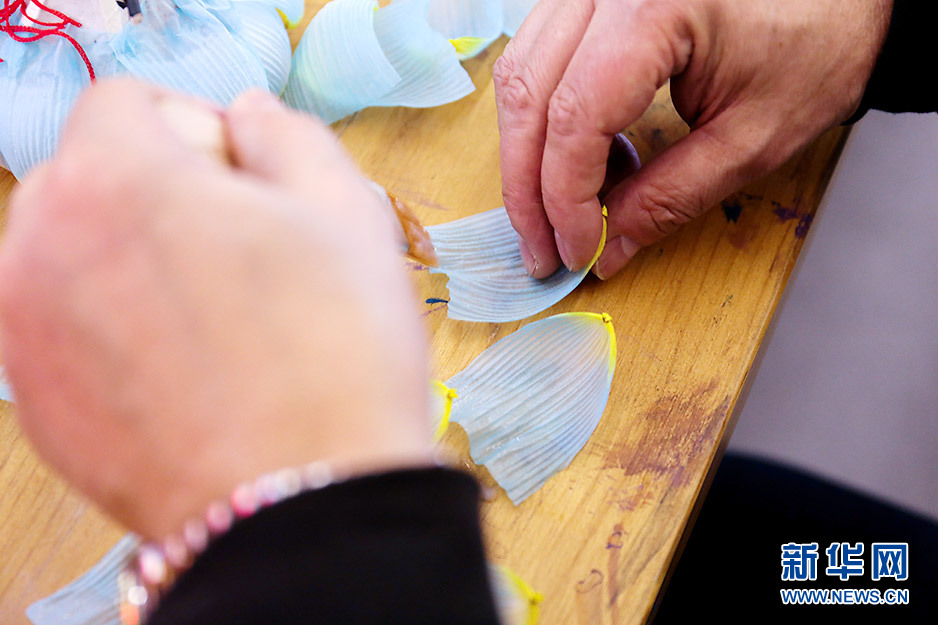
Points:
x=189 y=49
x=261 y=26
x=531 y=401
x=93 y=598
x=215 y=49
x=354 y=55
x=39 y=83
x=487 y=278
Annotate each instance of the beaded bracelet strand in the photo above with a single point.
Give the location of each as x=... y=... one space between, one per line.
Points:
x=156 y=565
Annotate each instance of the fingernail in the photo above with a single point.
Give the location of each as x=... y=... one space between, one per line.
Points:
x=564 y=252
x=530 y=263
x=617 y=253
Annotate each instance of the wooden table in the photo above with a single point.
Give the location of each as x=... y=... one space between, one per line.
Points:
x=689 y=313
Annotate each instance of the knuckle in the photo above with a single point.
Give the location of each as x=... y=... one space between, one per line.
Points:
x=514 y=91
x=667 y=206
x=502 y=71
x=566 y=111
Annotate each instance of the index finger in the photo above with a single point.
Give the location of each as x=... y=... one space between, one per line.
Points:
x=607 y=85
x=525 y=77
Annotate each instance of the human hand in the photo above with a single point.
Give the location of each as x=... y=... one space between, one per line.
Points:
x=756 y=81
x=174 y=325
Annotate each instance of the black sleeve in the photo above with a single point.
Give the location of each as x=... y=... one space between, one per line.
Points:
x=397 y=548
x=904 y=77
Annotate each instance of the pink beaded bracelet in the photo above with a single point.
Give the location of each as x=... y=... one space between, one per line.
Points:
x=154 y=568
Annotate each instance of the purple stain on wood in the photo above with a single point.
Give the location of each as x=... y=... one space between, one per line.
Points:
x=801 y=230
x=591 y=581
x=417 y=266
x=612 y=572
x=433 y=310
x=785 y=213
x=437 y=300
x=732 y=211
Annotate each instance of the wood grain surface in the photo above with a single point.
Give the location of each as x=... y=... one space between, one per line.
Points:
x=689 y=313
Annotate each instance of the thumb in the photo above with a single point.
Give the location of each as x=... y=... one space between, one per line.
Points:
x=679 y=184
x=283 y=147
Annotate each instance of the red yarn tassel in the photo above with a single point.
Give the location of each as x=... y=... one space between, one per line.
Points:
x=39 y=29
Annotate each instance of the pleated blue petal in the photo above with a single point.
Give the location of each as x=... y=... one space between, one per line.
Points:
x=531 y=401
x=473 y=23
x=39 y=83
x=259 y=24
x=93 y=598
x=339 y=67
x=354 y=55
x=425 y=60
x=514 y=13
x=487 y=278
x=189 y=49
x=6 y=393
x=291 y=11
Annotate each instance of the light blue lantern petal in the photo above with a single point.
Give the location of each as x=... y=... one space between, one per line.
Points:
x=291 y=11
x=471 y=25
x=354 y=55
x=338 y=66
x=6 y=391
x=260 y=26
x=39 y=83
x=515 y=11
x=188 y=49
x=487 y=278
x=531 y=401
x=424 y=59
x=93 y=598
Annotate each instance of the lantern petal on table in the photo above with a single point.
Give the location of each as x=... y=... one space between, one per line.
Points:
x=354 y=55
x=531 y=401
x=487 y=278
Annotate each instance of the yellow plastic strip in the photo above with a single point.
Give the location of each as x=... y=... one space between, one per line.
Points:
x=602 y=240
x=467 y=46
x=534 y=598
x=286 y=20
x=448 y=394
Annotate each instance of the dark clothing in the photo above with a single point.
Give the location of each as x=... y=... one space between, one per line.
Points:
x=398 y=548
x=731 y=565
x=902 y=80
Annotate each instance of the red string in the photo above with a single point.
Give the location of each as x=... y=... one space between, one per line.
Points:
x=28 y=34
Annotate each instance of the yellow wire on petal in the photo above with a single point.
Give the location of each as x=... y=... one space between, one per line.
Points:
x=468 y=46
x=602 y=240
x=286 y=20
x=613 y=348
x=522 y=589
x=447 y=394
